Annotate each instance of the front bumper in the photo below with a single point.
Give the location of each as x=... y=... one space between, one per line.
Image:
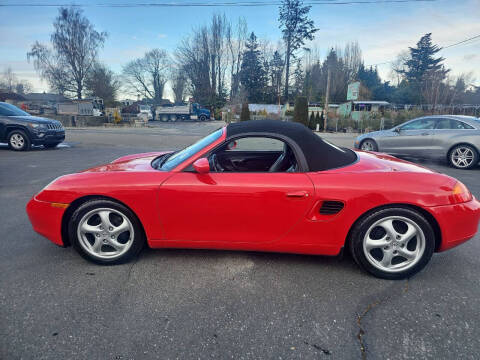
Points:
x=458 y=223
x=48 y=137
x=46 y=219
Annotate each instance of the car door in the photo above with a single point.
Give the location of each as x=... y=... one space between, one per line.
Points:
x=233 y=207
x=414 y=138
x=444 y=131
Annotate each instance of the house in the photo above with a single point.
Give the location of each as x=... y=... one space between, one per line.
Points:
x=45 y=99
x=362 y=110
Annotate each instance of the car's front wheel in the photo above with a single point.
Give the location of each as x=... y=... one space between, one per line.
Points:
x=369 y=145
x=106 y=232
x=18 y=140
x=393 y=243
x=463 y=156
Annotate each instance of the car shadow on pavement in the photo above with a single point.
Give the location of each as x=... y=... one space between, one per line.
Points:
x=343 y=262
x=4 y=146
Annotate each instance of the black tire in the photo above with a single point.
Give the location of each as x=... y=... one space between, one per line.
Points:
x=137 y=242
x=470 y=152
x=202 y=118
x=18 y=140
x=373 y=145
x=50 y=145
x=358 y=237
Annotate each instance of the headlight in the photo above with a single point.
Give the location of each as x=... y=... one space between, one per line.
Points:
x=460 y=193
x=37 y=126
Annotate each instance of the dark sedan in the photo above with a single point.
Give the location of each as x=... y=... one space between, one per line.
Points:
x=22 y=130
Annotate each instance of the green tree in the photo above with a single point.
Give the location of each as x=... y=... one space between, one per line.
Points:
x=422 y=66
x=311 y=121
x=252 y=74
x=296 y=29
x=102 y=82
x=300 y=113
x=277 y=64
x=245 y=114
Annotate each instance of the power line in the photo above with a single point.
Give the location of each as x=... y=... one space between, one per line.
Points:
x=443 y=48
x=213 y=4
x=461 y=42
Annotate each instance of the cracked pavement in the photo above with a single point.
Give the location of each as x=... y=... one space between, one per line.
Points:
x=189 y=304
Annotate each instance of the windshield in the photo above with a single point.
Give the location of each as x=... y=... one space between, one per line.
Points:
x=189 y=151
x=11 y=110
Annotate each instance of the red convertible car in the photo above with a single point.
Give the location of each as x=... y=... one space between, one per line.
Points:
x=263 y=186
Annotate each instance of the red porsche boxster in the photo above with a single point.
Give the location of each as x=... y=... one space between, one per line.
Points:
x=264 y=186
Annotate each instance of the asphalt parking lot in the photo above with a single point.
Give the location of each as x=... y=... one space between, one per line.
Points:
x=185 y=304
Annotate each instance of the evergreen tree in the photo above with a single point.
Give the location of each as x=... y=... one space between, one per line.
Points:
x=422 y=60
x=245 y=114
x=252 y=74
x=296 y=29
x=422 y=67
x=311 y=121
x=300 y=112
x=277 y=64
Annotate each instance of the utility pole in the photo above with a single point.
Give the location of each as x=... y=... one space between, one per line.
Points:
x=326 y=102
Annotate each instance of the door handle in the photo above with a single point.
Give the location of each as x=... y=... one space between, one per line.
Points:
x=297 y=194
x=425 y=133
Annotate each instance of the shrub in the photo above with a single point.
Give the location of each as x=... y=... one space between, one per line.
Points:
x=300 y=113
x=245 y=114
x=311 y=121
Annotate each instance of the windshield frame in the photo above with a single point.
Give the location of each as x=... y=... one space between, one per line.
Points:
x=16 y=111
x=182 y=156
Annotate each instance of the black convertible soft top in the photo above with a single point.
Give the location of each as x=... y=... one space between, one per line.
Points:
x=319 y=154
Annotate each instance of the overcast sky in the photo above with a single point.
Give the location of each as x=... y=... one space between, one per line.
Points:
x=382 y=30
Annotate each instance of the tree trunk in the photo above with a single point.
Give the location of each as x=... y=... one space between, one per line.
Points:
x=287 y=70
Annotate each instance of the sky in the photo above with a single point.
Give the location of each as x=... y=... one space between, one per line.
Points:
x=381 y=29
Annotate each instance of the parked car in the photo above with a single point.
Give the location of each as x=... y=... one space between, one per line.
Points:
x=260 y=185
x=21 y=130
x=452 y=137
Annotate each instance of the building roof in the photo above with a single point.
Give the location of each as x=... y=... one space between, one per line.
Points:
x=319 y=154
x=11 y=96
x=46 y=97
x=371 y=102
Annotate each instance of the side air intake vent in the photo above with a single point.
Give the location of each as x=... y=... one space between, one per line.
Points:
x=331 y=207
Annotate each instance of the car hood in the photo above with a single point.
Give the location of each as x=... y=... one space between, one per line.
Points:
x=374 y=134
x=135 y=162
x=34 y=119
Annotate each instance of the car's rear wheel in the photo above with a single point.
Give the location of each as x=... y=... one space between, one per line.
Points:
x=18 y=140
x=50 y=145
x=393 y=243
x=463 y=156
x=369 y=145
x=106 y=232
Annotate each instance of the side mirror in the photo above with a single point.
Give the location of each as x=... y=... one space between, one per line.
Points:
x=397 y=129
x=201 y=166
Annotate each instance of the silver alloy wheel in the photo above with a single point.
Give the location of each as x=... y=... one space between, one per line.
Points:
x=103 y=237
x=462 y=157
x=367 y=145
x=400 y=250
x=17 y=141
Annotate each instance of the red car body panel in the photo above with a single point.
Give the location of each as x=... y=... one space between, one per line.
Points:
x=257 y=211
